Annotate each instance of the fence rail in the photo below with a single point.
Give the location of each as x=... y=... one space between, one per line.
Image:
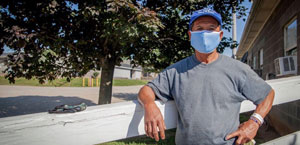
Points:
x=290 y=139
x=110 y=122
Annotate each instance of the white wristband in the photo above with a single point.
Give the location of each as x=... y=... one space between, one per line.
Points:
x=261 y=119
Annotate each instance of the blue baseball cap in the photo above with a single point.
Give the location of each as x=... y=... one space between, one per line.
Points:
x=205 y=12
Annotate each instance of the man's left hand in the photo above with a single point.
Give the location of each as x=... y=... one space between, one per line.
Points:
x=246 y=132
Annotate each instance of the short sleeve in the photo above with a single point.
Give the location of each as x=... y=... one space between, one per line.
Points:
x=161 y=86
x=255 y=88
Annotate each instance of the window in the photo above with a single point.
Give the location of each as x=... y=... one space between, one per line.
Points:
x=290 y=38
x=254 y=62
x=250 y=60
x=292 y=52
x=261 y=58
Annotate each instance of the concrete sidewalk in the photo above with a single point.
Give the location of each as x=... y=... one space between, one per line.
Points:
x=20 y=100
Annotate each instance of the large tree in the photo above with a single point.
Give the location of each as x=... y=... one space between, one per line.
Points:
x=52 y=38
x=68 y=38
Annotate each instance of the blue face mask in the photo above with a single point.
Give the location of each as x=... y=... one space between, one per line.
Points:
x=205 y=41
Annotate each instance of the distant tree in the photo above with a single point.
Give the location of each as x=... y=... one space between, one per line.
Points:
x=53 y=38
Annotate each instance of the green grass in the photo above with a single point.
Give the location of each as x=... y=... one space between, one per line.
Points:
x=244 y=117
x=144 y=140
x=75 y=82
x=126 y=82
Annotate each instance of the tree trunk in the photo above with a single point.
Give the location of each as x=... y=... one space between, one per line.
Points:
x=107 y=74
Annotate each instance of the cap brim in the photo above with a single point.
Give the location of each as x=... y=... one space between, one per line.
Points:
x=201 y=15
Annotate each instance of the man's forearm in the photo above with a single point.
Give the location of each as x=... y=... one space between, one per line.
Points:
x=264 y=107
x=153 y=119
x=146 y=95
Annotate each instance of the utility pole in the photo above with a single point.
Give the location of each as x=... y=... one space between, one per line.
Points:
x=233 y=32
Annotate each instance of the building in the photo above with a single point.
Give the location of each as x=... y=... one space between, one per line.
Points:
x=271 y=39
x=124 y=71
x=270 y=44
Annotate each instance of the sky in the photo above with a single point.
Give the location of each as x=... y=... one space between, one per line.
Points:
x=240 y=27
x=240 y=24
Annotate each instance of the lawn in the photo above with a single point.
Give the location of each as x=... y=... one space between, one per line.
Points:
x=75 y=82
x=144 y=140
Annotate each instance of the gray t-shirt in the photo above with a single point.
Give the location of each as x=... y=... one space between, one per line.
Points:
x=208 y=97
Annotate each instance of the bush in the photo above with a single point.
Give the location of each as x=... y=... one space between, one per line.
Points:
x=95 y=75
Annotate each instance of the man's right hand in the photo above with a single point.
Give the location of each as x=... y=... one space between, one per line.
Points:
x=153 y=120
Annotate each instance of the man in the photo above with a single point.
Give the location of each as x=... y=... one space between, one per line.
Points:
x=208 y=89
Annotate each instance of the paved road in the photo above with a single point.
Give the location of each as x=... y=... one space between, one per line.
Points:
x=20 y=100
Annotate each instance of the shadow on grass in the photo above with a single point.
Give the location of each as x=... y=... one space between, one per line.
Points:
x=144 y=140
x=21 y=105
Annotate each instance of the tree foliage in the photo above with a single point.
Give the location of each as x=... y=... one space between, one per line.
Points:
x=67 y=38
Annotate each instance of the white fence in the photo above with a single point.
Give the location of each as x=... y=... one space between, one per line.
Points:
x=110 y=122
